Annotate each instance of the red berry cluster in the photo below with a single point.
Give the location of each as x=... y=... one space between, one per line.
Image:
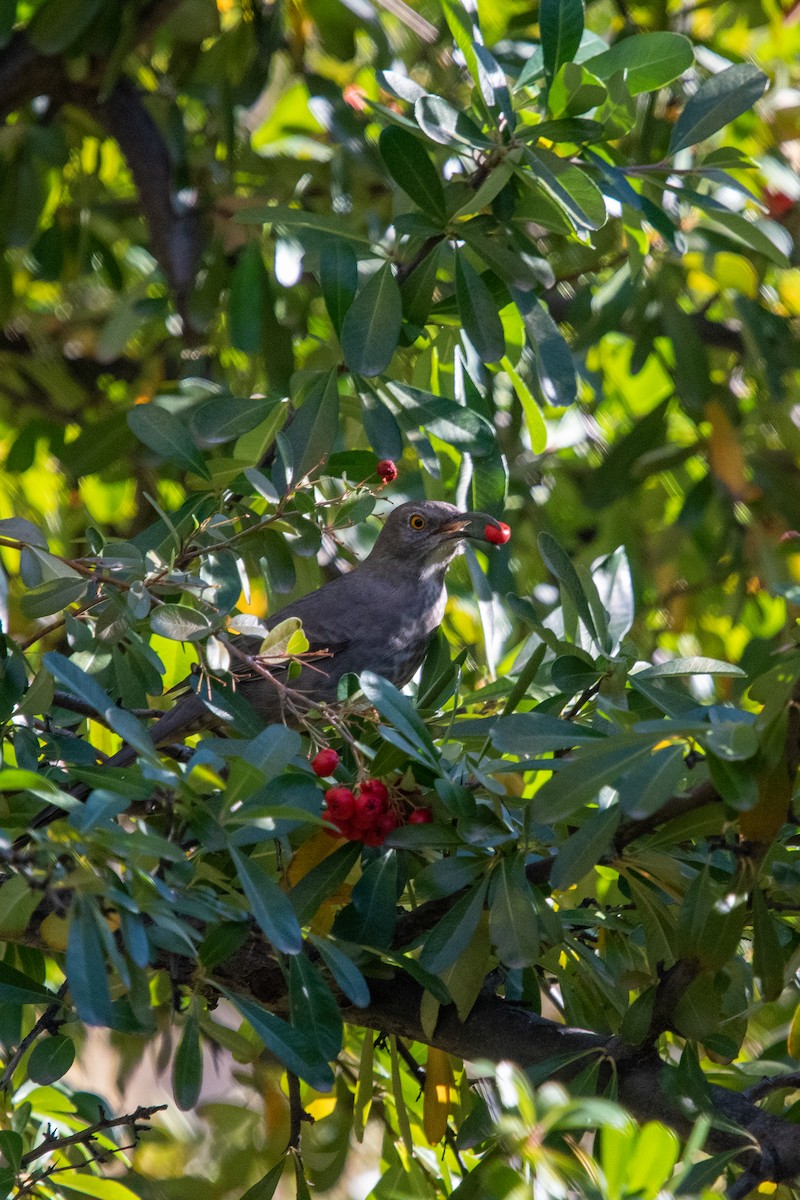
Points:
x=368 y=814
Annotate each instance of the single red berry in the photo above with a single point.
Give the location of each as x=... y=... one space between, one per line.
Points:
x=373 y=838
x=497 y=534
x=341 y=803
x=325 y=762
x=387 y=823
x=374 y=787
x=386 y=470
x=420 y=816
x=369 y=809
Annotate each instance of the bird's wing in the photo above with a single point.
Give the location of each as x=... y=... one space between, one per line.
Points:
x=324 y=617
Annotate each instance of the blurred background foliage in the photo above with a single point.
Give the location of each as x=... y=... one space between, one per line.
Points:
x=589 y=329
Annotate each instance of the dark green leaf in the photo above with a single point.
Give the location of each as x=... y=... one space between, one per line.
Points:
x=51 y=1058
x=56 y=24
x=85 y=965
x=493 y=86
x=767 y=955
x=556 y=559
x=164 y=434
x=308 y=439
x=459 y=426
x=582 y=778
x=513 y=920
x=397 y=708
x=478 y=312
x=187 y=1067
x=16 y=988
x=323 y=880
x=450 y=937
x=246 y=302
x=339 y=278
x=270 y=906
x=690 y=666
x=413 y=171
x=313 y=1007
x=52 y=597
x=289 y=1045
x=448 y=125
x=554 y=365
x=561 y=28
x=371 y=327
x=224 y=418
x=265 y=1188
x=719 y=101
x=343 y=970
x=371 y=917
x=538 y=733
x=584 y=850
x=180 y=623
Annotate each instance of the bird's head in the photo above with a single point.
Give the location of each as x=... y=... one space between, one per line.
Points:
x=428 y=532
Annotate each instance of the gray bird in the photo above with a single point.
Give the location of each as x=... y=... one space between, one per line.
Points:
x=379 y=617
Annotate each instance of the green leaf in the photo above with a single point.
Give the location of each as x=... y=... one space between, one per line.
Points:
x=581 y=779
x=270 y=906
x=478 y=312
x=513 y=920
x=16 y=988
x=411 y=168
x=558 y=562
x=246 y=301
x=313 y=1007
x=649 y=60
x=416 y=290
x=20 y=530
x=343 y=970
x=560 y=28
x=397 y=708
x=646 y=789
x=459 y=426
x=719 y=101
x=744 y=232
x=566 y=184
x=371 y=327
x=371 y=917
x=452 y=934
x=767 y=955
x=52 y=597
x=323 y=880
x=308 y=439
x=165 y=435
x=291 y=1047
x=84 y=687
x=493 y=87
x=696 y=665
x=464 y=27
x=85 y=964
x=51 y=1058
x=57 y=24
x=180 y=623
x=447 y=125
x=538 y=733
x=584 y=849
x=267 y=1186
x=554 y=364
x=187 y=1067
x=338 y=268
x=223 y=418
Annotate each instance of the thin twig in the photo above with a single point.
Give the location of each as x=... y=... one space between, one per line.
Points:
x=142 y=1113
x=46 y=1022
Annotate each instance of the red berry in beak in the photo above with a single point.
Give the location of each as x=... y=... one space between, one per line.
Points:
x=324 y=762
x=386 y=470
x=497 y=534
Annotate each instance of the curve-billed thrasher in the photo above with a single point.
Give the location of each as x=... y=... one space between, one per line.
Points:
x=379 y=617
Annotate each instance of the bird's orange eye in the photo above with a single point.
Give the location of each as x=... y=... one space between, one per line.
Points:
x=417 y=522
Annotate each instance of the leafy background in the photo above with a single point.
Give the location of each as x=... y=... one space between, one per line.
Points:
x=546 y=261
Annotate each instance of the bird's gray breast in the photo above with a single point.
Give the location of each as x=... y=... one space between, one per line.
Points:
x=402 y=631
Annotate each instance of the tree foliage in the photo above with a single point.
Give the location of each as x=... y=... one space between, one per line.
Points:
x=545 y=261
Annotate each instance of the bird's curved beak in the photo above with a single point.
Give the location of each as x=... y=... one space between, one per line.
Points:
x=474 y=525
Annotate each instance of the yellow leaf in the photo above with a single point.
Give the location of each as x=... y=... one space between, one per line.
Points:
x=789 y=290
x=725 y=453
x=439 y=1095
x=309 y=855
x=793 y=1041
x=54 y=930
x=321 y=1107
